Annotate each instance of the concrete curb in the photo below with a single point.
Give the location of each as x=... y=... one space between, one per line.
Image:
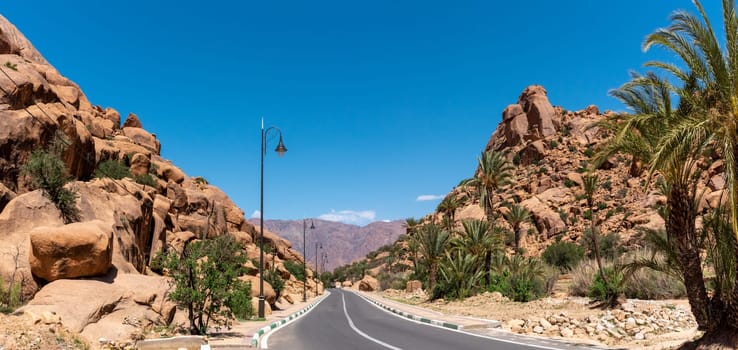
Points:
x=274 y=325
x=413 y=317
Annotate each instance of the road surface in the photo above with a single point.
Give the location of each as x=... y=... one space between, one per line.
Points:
x=346 y=321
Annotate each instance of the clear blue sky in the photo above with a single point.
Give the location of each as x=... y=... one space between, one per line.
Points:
x=380 y=101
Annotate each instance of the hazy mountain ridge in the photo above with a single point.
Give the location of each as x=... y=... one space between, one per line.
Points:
x=344 y=243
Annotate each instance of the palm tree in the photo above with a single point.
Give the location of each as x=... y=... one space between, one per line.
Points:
x=411 y=224
x=481 y=240
x=652 y=123
x=460 y=273
x=431 y=240
x=494 y=172
x=589 y=184
x=448 y=207
x=713 y=69
x=516 y=216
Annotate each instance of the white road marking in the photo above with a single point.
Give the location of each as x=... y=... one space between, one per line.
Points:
x=462 y=331
x=351 y=323
x=265 y=338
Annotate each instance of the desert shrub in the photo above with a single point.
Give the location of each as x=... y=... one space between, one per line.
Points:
x=373 y=254
x=48 y=173
x=601 y=291
x=295 y=269
x=391 y=281
x=200 y=180
x=520 y=279
x=553 y=144
x=572 y=149
x=239 y=301
x=145 y=179
x=607 y=184
x=113 y=169
x=641 y=284
x=587 y=214
x=601 y=205
x=275 y=280
x=516 y=159
x=563 y=255
x=10 y=297
x=206 y=279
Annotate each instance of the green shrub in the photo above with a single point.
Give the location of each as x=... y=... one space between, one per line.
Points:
x=587 y=214
x=295 y=269
x=516 y=159
x=48 y=173
x=200 y=180
x=11 y=65
x=569 y=183
x=601 y=205
x=572 y=148
x=520 y=279
x=239 y=301
x=391 y=281
x=553 y=144
x=610 y=247
x=589 y=152
x=607 y=184
x=275 y=280
x=563 y=255
x=113 y=169
x=601 y=291
x=145 y=179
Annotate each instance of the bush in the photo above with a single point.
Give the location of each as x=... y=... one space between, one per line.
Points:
x=391 y=281
x=569 y=183
x=113 y=169
x=563 y=255
x=239 y=301
x=48 y=173
x=610 y=247
x=275 y=280
x=520 y=279
x=295 y=269
x=601 y=291
x=145 y=179
x=642 y=284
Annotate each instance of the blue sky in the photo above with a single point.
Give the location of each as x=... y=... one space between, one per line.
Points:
x=380 y=101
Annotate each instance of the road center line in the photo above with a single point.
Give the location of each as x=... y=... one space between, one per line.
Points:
x=351 y=323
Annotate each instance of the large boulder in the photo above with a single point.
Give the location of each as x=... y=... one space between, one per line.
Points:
x=70 y=251
x=12 y=41
x=269 y=294
x=369 y=284
x=547 y=221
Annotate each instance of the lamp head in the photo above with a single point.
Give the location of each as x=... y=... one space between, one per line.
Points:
x=281 y=149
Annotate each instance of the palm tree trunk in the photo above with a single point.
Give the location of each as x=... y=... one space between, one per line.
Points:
x=596 y=244
x=681 y=224
x=432 y=270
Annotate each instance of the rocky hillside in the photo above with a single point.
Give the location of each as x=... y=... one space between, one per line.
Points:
x=343 y=243
x=551 y=148
x=122 y=224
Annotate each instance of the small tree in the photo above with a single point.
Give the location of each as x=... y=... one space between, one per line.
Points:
x=207 y=284
x=48 y=173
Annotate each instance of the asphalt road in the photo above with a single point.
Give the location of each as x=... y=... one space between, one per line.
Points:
x=346 y=321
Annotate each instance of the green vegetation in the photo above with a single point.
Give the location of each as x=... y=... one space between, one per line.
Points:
x=113 y=169
x=145 y=179
x=295 y=269
x=11 y=65
x=207 y=284
x=564 y=255
x=494 y=172
x=48 y=173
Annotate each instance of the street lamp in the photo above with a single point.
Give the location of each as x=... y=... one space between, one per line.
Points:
x=317 y=287
x=280 y=150
x=304 y=258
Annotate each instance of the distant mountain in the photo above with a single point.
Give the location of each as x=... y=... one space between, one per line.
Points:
x=344 y=243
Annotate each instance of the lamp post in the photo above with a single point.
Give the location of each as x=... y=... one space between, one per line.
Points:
x=304 y=259
x=317 y=286
x=280 y=150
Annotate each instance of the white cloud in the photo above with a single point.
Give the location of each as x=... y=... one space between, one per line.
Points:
x=256 y=214
x=350 y=216
x=428 y=197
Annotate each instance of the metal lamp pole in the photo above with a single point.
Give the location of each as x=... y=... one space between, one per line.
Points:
x=317 y=287
x=280 y=150
x=304 y=259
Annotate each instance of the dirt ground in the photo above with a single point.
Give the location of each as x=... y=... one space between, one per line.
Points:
x=24 y=332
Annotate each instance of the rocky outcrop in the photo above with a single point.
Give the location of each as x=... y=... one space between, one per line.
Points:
x=532 y=118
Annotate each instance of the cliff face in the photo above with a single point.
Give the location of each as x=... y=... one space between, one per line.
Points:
x=551 y=149
x=122 y=223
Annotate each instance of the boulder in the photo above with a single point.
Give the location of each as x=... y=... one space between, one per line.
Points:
x=717 y=182
x=269 y=294
x=143 y=138
x=412 y=286
x=347 y=284
x=12 y=41
x=547 y=221
x=575 y=177
x=73 y=250
x=132 y=122
x=140 y=164
x=369 y=284
x=112 y=115
x=166 y=171
x=533 y=152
